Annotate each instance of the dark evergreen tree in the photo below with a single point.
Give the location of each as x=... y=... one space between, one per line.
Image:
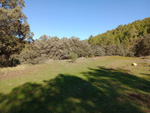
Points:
x=142 y=48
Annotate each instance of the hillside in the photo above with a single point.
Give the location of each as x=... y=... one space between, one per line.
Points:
x=126 y=35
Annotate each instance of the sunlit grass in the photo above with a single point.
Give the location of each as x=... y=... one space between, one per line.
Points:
x=94 y=85
x=15 y=76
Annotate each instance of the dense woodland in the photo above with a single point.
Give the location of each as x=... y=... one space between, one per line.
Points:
x=125 y=35
x=17 y=45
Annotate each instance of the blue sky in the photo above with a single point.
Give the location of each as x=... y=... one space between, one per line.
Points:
x=82 y=18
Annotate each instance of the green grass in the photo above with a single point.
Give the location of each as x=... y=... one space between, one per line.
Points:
x=92 y=85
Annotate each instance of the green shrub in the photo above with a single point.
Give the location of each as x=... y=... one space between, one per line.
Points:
x=97 y=51
x=86 y=56
x=114 y=50
x=91 y=56
x=10 y=63
x=73 y=57
x=130 y=53
x=31 y=57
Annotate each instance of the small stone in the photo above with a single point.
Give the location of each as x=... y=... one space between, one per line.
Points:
x=134 y=64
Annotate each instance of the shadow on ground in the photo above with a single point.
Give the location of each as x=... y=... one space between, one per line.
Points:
x=103 y=91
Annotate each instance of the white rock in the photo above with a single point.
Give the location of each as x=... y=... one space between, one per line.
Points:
x=134 y=64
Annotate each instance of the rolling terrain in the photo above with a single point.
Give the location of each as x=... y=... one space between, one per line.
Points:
x=90 y=85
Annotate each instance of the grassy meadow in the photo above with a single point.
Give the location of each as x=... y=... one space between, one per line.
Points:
x=90 y=85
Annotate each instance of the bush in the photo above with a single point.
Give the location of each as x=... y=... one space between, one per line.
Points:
x=73 y=57
x=114 y=50
x=86 y=56
x=119 y=50
x=97 y=51
x=91 y=56
x=11 y=62
x=130 y=53
x=31 y=57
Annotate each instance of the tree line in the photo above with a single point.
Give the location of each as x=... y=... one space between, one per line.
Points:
x=17 y=44
x=47 y=47
x=125 y=35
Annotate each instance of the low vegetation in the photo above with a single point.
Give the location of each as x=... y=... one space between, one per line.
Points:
x=99 y=85
x=73 y=57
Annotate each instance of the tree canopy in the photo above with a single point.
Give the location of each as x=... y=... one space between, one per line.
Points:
x=14 y=29
x=126 y=35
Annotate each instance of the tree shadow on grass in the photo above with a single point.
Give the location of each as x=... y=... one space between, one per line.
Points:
x=119 y=76
x=145 y=74
x=99 y=93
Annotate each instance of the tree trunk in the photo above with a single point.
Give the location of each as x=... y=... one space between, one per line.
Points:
x=6 y=63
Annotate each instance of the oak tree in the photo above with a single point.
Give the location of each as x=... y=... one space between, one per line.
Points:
x=14 y=29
